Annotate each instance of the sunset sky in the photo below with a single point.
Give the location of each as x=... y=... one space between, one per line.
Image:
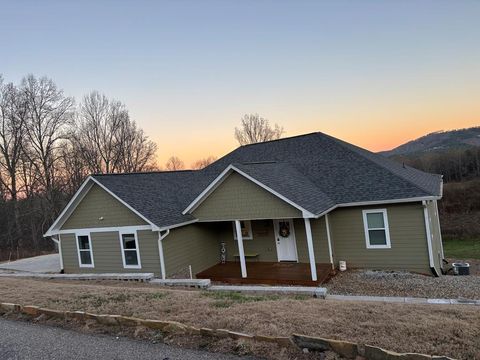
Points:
x=374 y=73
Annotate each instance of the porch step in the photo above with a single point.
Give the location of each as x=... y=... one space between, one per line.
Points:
x=197 y=283
x=319 y=292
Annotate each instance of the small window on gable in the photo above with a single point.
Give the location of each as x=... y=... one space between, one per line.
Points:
x=377 y=234
x=130 y=251
x=84 y=247
x=246 y=226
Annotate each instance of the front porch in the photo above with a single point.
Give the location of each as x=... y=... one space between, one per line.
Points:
x=268 y=273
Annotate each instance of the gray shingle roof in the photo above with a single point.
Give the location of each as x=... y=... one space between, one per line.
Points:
x=315 y=171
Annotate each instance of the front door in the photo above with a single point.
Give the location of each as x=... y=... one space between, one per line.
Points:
x=285 y=240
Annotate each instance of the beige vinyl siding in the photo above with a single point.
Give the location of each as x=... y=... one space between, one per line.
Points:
x=238 y=198
x=107 y=255
x=320 y=241
x=98 y=203
x=407 y=234
x=196 y=245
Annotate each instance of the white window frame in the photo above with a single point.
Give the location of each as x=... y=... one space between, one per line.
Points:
x=137 y=248
x=248 y=225
x=84 y=233
x=388 y=245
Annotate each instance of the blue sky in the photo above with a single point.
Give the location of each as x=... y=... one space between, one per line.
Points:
x=376 y=73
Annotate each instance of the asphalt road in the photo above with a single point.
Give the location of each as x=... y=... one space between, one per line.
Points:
x=25 y=341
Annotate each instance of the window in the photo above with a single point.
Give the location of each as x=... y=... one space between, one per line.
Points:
x=84 y=247
x=130 y=252
x=246 y=226
x=377 y=235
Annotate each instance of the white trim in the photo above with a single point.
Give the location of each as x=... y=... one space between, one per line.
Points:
x=220 y=178
x=84 y=233
x=439 y=231
x=137 y=248
x=177 y=225
x=106 y=229
x=248 y=225
x=67 y=210
x=428 y=234
x=154 y=227
x=311 y=254
x=329 y=240
x=160 y=252
x=241 y=252
x=59 y=244
x=292 y=233
x=386 y=228
x=78 y=197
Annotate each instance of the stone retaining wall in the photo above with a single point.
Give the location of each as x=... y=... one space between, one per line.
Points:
x=346 y=349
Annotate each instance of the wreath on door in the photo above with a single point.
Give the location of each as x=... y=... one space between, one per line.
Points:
x=284 y=229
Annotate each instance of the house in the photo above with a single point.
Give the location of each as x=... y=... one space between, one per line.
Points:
x=283 y=211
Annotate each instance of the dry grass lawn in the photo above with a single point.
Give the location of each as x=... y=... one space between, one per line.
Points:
x=443 y=330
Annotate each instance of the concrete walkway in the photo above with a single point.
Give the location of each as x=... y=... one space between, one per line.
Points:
x=406 y=300
x=37 y=264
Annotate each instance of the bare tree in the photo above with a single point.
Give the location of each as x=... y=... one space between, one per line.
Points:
x=174 y=163
x=109 y=140
x=49 y=115
x=256 y=129
x=202 y=163
x=12 y=130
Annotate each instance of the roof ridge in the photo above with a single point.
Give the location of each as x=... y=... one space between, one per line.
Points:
x=358 y=150
x=144 y=172
x=280 y=139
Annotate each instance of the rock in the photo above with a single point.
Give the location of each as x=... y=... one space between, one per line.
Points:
x=174 y=327
x=9 y=307
x=53 y=313
x=128 y=321
x=154 y=324
x=31 y=310
x=239 y=335
x=110 y=320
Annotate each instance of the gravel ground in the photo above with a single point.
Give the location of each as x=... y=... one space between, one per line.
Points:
x=395 y=283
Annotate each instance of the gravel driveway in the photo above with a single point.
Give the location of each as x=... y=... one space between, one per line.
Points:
x=395 y=283
x=41 y=264
x=19 y=340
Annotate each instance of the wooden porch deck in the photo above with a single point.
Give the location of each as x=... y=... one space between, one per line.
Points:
x=268 y=273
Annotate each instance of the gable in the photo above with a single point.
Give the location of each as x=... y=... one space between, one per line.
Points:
x=239 y=198
x=96 y=204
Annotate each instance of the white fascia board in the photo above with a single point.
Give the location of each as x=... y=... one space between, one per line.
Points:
x=154 y=227
x=68 y=209
x=176 y=225
x=220 y=178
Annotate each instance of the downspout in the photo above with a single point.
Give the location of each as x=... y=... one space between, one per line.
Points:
x=59 y=245
x=160 y=252
x=429 y=239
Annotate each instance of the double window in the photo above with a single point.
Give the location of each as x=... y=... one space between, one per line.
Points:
x=84 y=247
x=246 y=228
x=130 y=251
x=377 y=235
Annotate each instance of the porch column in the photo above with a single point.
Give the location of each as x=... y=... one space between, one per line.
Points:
x=241 y=253
x=329 y=239
x=311 y=254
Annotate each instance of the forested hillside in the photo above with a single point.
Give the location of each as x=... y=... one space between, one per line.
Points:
x=455 y=155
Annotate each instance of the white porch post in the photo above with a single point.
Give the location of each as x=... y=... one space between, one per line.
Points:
x=311 y=254
x=160 y=252
x=241 y=253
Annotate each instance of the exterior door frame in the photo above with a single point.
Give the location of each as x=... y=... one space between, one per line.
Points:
x=292 y=234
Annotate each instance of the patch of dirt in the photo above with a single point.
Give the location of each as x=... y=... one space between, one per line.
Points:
x=442 y=330
x=397 y=283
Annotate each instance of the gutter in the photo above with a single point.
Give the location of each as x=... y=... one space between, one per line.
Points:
x=160 y=252
x=429 y=240
x=59 y=245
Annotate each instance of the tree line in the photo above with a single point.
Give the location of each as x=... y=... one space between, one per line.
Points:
x=49 y=144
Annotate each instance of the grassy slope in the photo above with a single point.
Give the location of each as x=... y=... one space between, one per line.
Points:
x=462 y=249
